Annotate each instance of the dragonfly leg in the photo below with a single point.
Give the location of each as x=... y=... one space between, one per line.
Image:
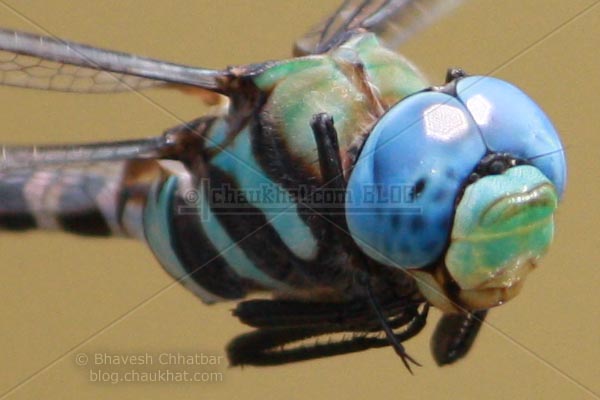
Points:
x=328 y=149
x=395 y=341
x=282 y=345
x=454 y=335
x=267 y=346
x=283 y=322
x=332 y=175
x=356 y=315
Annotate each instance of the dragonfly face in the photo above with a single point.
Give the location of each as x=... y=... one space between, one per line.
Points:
x=483 y=168
x=448 y=193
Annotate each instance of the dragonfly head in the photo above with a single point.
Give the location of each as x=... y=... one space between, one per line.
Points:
x=458 y=185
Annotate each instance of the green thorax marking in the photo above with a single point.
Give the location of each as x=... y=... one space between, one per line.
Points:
x=335 y=83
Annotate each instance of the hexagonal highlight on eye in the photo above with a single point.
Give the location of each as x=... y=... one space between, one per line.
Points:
x=444 y=122
x=480 y=109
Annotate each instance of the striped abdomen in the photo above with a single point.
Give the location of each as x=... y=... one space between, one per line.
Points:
x=95 y=199
x=235 y=226
x=243 y=216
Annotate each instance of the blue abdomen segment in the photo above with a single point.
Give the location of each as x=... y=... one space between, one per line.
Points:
x=278 y=206
x=401 y=193
x=158 y=229
x=183 y=248
x=196 y=249
x=510 y=122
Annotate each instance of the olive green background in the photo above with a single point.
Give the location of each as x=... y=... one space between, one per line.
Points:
x=61 y=295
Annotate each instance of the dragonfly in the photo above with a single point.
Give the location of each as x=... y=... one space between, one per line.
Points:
x=340 y=184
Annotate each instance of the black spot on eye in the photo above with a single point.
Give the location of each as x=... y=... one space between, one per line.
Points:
x=396 y=221
x=404 y=248
x=444 y=223
x=388 y=245
x=417 y=223
x=439 y=196
x=429 y=245
x=419 y=188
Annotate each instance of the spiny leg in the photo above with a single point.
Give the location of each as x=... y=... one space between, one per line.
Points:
x=394 y=340
x=328 y=149
x=332 y=173
x=454 y=335
x=267 y=346
x=290 y=314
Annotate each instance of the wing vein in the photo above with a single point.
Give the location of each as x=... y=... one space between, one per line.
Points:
x=92 y=67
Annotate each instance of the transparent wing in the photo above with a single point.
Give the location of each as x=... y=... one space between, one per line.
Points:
x=174 y=144
x=41 y=62
x=394 y=21
x=30 y=157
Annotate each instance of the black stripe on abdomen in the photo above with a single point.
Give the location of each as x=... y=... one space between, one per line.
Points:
x=258 y=239
x=78 y=207
x=14 y=211
x=199 y=258
x=87 y=222
x=303 y=182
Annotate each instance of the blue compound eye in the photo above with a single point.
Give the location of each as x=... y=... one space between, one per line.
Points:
x=401 y=193
x=510 y=122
